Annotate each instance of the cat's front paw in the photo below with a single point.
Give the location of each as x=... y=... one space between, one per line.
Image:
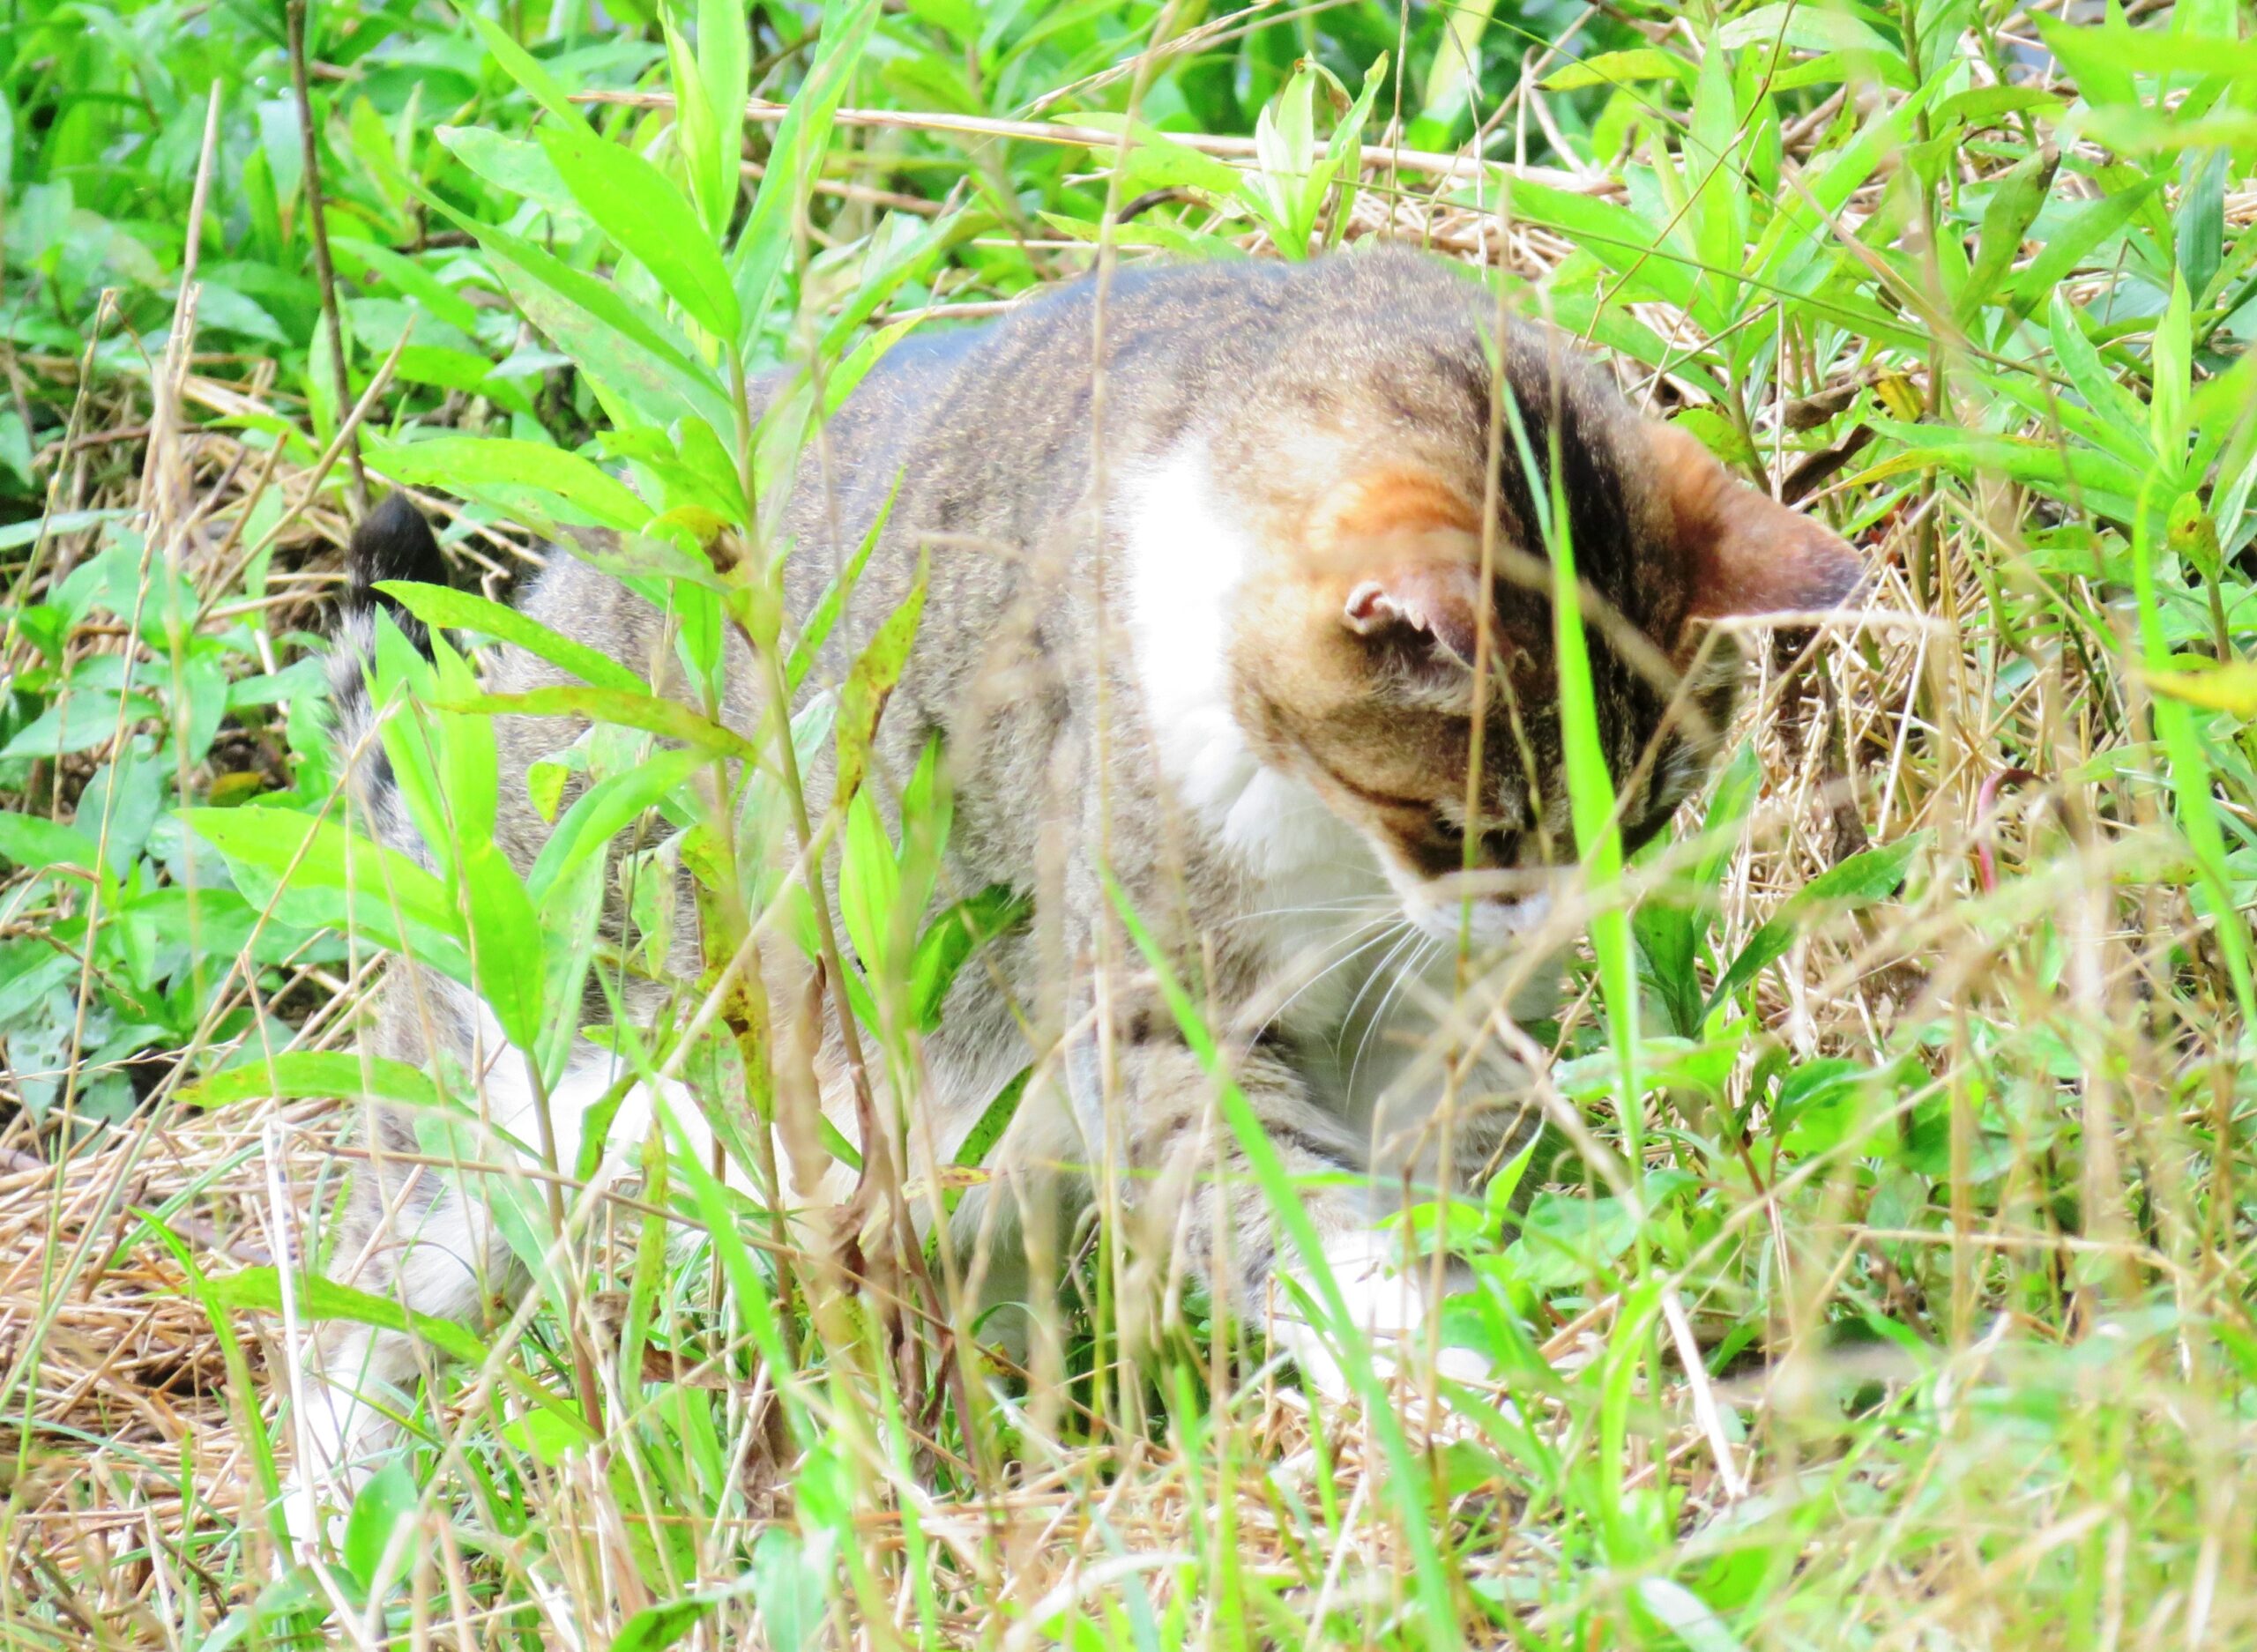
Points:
x=1388 y=1308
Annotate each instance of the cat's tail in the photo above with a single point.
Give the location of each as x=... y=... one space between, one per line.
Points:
x=397 y=1231
x=392 y=542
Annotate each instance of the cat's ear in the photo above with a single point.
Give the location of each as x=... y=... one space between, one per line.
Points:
x=1744 y=552
x=1437 y=599
x=1411 y=547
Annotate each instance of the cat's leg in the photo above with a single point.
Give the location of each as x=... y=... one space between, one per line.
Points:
x=410 y=1234
x=1185 y=1173
x=422 y=1235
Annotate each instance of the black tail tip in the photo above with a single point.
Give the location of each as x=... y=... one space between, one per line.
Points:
x=393 y=542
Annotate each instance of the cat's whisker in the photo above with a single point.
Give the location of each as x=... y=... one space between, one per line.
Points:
x=1348 y=1018
x=1386 y=930
x=1420 y=955
x=1377 y=903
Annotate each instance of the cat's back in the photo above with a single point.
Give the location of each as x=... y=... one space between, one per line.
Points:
x=989 y=440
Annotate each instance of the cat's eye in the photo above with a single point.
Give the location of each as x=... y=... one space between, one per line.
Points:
x=1446 y=829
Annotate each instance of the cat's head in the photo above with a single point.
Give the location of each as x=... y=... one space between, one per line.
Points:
x=1355 y=666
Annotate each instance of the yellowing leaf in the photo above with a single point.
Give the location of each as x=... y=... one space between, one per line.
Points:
x=2231 y=688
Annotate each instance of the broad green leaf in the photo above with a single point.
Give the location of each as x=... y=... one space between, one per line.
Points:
x=2110 y=486
x=2122 y=422
x=259 y=1290
x=642 y=710
x=33 y=841
x=633 y=349
x=2067 y=245
x=467 y=611
x=81 y=720
x=505 y=467
x=725 y=77
x=516 y=164
x=2201 y=225
x=654 y=1628
x=380 y=1532
x=526 y=69
x=607 y=808
x=1620 y=69
x=1158 y=161
x=1810 y=28
x=299 y=851
x=2105 y=57
x=409 y=276
x=870 y=885
x=951 y=939
x=695 y=138
x=301 y=1075
x=1616 y=235
x=506 y=948
x=638 y=206
x=2014 y=207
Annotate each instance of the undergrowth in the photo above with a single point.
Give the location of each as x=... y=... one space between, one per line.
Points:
x=1896 y=1291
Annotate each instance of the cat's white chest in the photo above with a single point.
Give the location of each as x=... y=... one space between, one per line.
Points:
x=1319 y=905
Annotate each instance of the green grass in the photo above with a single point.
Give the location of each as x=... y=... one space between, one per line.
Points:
x=1901 y=1293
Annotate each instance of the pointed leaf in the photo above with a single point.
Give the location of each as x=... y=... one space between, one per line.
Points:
x=467 y=611
x=639 y=207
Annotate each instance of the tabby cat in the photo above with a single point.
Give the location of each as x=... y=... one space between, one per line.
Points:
x=1208 y=547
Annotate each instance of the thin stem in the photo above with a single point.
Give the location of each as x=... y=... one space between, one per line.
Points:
x=318 y=227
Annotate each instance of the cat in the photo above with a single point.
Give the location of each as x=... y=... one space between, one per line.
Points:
x=1203 y=627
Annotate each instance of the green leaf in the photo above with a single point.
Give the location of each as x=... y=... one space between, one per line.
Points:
x=526 y=69
x=2067 y=245
x=725 y=76
x=655 y=1627
x=639 y=207
x=1859 y=881
x=2014 y=207
x=863 y=696
x=467 y=611
x=801 y=138
x=2174 y=375
x=507 y=471
x=824 y=614
x=951 y=939
x=380 y=1532
x=259 y=1290
x=986 y=1130
x=506 y=949
x=1810 y=28
x=605 y=810
x=517 y=166
x=2122 y=421
x=1615 y=236
x=81 y=720
x=409 y=276
x=301 y=1075
x=294 y=850
x=33 y=841
x=1620 y=69
x=2201 y=225
x=2231 y=688
x=642 y=709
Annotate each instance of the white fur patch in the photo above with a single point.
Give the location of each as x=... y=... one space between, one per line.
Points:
x=512 y=1108
x=1387 y=1307
x=1189 y=555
